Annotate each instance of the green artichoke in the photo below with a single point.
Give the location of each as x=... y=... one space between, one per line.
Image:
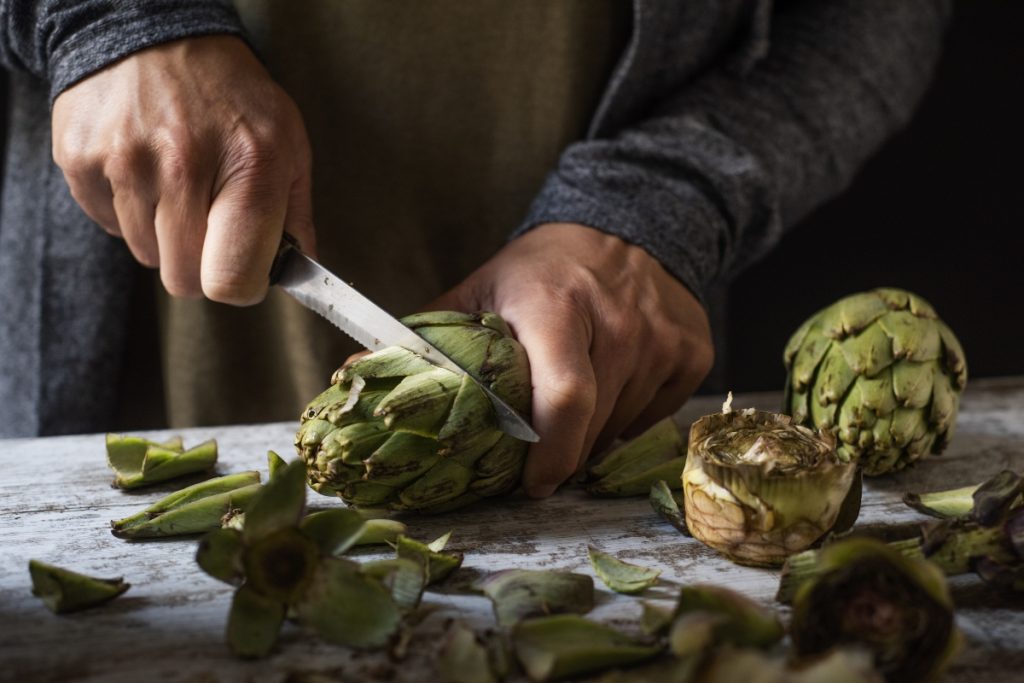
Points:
x=759 y=488
x=882 y=370
x=868 y=594
x=395 y=431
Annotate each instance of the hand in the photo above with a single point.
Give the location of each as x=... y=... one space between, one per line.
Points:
x=615 y=342
x=192 y=154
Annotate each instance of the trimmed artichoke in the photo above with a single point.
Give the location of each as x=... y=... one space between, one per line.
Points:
x=395 y=431
x=881 y=369
x=869 y=595
x=759 y=488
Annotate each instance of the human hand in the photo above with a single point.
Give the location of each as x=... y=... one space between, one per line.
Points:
x=615 y=342
x=192 y=154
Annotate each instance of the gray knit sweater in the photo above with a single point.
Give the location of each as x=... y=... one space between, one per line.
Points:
x=725 y=122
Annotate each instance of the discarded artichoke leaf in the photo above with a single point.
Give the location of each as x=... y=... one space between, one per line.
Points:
x=378 y=531
x=281 y=564
x=665 y=504
x=729 y=663
x=464 y=659
x=736 y=619
x=952 y=504
x=220 y=555
x=189 y=494
x=157 y=463
x=759 y=488
x=63 y=590
x=439 y=543
x=655 y=619
x=334 y=531
x=521 y=593
x=253 y=623
x=663 y=670
x=193 y=517
x=438 y=565
x=621 y=577
x=631 y=469
x=870 y=595
x=347 y=607
x=564 y=645
x=690 y=635
x=125 y=452
x=995 y=497
x=279 y=503
x=404 y=578
x=275 y=463
x=841 y=665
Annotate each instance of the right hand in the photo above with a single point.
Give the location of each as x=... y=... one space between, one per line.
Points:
x=192 y=154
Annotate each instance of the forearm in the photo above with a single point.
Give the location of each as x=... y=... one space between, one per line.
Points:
x=707 y=182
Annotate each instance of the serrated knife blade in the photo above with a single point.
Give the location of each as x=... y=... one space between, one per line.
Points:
x=323 y=292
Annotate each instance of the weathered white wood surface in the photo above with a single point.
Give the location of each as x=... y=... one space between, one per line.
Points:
x=56 y=503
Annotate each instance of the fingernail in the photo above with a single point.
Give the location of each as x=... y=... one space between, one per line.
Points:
x=540 y=490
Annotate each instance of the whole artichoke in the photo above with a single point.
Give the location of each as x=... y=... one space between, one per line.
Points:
x=396 y=431
x=759 y=488
x=882 y=370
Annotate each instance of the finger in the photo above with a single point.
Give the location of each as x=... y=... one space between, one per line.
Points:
x=92 y=192
x=180 y=226
x=614 y=362
x=298 y=220
x=666 y=401
x=244 y=231
x=634 y=398
x=459 y=298
x=136 y=216
x=564 y=397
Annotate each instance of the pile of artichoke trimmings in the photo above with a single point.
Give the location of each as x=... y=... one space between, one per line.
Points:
x=396 y=431
x=759 y=488
x=881 y=370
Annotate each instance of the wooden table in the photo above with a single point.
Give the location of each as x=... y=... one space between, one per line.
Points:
x=56 y=502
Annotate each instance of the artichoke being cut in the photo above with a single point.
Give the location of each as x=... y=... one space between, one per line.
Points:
x=882 y=370
x=395 y=431
x=759 y=488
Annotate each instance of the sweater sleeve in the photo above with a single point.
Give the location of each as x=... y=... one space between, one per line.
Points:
x=708 y=179
x=63 y=41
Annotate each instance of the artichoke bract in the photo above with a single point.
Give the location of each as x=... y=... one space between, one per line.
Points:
x=758 y=487
x=396 y=431
x=881 y=369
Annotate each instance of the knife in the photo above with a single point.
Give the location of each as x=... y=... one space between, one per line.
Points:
x=323 y=292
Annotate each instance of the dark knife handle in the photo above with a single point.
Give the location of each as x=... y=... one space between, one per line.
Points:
x=288 y=243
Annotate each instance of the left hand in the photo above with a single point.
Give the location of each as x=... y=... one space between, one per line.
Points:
x=615 y=342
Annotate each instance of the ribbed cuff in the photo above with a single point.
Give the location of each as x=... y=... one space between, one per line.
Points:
x=676 y=230
x=98 y=41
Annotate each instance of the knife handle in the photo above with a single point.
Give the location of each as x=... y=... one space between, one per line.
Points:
x=288 y=243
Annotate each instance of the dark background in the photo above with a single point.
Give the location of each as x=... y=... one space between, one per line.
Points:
x=938 y=211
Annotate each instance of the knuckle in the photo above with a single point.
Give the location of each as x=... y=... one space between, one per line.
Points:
x=571 y=394
x=180 y=166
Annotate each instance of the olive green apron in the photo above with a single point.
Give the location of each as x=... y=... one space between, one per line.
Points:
x=432 y=125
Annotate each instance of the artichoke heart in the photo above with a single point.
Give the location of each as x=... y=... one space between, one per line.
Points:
x=881 y=369
x=759 y=488
x=394 y=431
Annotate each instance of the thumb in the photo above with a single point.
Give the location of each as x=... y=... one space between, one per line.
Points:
x=458 y=298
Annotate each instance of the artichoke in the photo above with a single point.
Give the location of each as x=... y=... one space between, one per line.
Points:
x=881 y=369
x=395 y=431
x=759 y=488
x=867 y=594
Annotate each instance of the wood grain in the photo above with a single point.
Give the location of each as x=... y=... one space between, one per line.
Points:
x=56 y=503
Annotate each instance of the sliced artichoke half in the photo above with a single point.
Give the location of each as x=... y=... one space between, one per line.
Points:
x=759 y=488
